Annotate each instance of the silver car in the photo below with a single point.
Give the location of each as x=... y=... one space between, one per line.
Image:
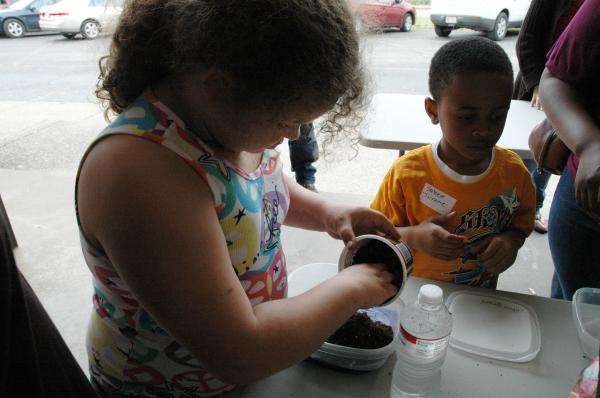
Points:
x=86 y=17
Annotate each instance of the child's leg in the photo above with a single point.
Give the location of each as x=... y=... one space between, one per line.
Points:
x=303 y=152
x=540 y=182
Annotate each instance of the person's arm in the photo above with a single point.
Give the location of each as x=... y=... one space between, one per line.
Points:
x=156 y=221
x=429 y=236
x=534 y=38
x=568 y=113
x=569 y=81
x=432 y=238
x=498 y=252
x=309 y=210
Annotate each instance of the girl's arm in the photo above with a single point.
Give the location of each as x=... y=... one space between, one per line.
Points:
x=155 y=219
x=309 y=210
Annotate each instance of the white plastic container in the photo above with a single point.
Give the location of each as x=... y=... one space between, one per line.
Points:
x=586 y=315
x=310 y=275
x=425 y=328
x=494 y=326
x=379 y=249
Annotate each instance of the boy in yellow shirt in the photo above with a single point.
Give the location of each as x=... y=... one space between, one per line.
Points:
x=463 y=204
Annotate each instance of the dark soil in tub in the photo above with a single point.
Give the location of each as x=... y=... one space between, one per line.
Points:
x=375 y=251
x=360 y=331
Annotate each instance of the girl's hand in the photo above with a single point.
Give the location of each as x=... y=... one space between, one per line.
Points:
x=497 y=253
x=345 y=223
x=371 y=282
x=432 y=238
x=587 y=181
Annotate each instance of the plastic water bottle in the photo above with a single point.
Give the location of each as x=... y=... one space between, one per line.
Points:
x=425 y=328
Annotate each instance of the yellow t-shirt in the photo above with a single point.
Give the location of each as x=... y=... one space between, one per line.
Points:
x=419 y=186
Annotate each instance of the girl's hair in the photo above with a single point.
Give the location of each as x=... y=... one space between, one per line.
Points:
x=277 y=52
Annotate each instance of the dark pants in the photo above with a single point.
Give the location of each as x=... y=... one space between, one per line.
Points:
x=303 y=152
x=36 y=362
x=540 y=182
x=574 y=240
x=5 y=224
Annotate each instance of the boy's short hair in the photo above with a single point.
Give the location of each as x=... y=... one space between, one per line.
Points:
x=466 y=55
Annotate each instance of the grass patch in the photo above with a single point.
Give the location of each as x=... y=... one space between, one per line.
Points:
x=423 y=23
x=420 y=2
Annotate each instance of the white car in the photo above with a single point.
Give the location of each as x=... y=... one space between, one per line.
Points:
x=85 y=17
x=493 y=17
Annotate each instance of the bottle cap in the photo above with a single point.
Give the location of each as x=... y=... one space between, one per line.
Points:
x=430 y=295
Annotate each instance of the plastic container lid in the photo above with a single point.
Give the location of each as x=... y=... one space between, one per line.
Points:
x=494 y=326
x=430 y=295
x=586 y=315
x=310 y=275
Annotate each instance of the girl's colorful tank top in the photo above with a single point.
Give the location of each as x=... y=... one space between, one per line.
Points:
x=129 y=352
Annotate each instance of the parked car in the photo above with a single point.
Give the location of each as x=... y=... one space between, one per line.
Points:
x=384 y=13
x=494 y=17
x=21 y=17
x=85 y=17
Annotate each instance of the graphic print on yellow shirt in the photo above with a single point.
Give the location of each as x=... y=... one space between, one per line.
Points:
x=419 y=186
x=491 y=219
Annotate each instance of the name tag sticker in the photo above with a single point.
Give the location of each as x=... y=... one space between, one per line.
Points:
x=436 y=199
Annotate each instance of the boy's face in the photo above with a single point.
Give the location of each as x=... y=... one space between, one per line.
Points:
x=471 y=111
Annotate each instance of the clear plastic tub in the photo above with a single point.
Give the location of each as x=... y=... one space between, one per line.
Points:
x=310 y=275
x=360 y=358
x=586 y=315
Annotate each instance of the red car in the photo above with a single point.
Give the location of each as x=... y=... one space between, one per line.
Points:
x=384 y=13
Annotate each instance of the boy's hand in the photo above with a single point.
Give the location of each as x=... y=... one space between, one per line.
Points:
x=432 y=238
x=497 y=253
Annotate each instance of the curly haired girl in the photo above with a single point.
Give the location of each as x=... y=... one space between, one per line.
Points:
x=180 y=200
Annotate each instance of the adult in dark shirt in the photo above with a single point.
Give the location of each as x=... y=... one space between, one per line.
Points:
x=543 y=24
x=569 y=92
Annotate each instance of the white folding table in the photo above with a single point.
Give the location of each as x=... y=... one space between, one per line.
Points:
x=399 y=121
x=550 y=375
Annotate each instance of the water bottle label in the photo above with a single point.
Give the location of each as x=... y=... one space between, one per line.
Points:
x=422 y=348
